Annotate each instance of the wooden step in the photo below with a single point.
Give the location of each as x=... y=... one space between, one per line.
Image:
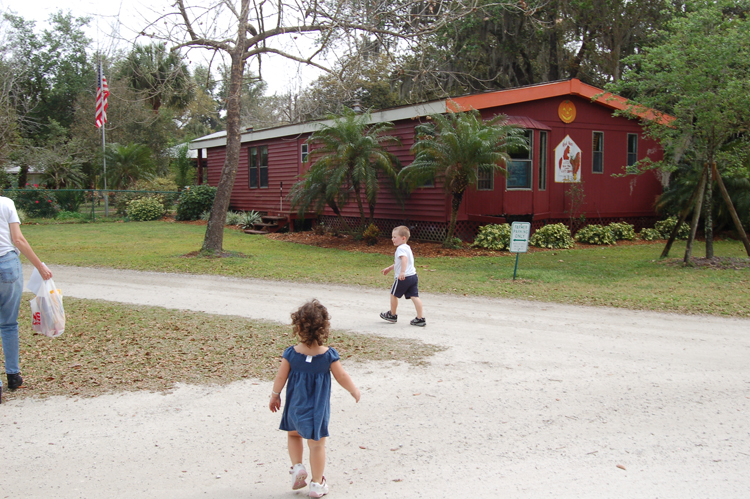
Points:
x=262 y=224
x=271 y=217
x=253 y=231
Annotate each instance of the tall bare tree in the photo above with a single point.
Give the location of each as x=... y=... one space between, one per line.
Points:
x=246 y=30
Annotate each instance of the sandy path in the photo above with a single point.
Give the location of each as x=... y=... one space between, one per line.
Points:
x=530 y=400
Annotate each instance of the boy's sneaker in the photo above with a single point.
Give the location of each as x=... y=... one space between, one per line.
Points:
x=418 y=322
x=318 y=489
x=299 y=474
x=388 y=316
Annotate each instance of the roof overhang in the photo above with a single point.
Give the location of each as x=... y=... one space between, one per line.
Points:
x=486 y=100
x=573 y=86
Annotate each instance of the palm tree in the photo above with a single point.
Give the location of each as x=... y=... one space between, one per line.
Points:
x=453 y=148
x=160 y=75
x=127 y=164
x=314 y=191
x=351 y=153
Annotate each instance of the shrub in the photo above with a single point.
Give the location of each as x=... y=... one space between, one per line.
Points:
x=370 y=235
x=70 y=200
x=622 y=231
x=37 y=202
x=596 y=234
x=234 y=218
x=453 y=243
x=249 y=219
x=145 y=209
x=166 y=193
x=21 y=215
x=666 y=226
x=493 y=236
x=195 y=200
x=205 y=216
x=650 y=234
x=553 y=236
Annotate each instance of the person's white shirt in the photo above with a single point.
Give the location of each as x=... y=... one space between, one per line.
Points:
x=404 y=250
x=8 y=215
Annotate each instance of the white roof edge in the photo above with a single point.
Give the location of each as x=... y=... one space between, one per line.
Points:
x=219 y=139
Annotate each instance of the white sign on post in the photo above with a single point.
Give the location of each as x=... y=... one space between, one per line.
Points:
x=519 y=237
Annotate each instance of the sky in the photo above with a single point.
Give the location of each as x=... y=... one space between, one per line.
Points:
x=109 y=35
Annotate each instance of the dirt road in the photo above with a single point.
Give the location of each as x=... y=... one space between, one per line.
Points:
x=529 y=400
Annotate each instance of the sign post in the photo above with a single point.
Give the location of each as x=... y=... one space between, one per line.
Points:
x=519 y=240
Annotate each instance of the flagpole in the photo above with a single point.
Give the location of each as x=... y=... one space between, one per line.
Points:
x=104 y=163
x=100 y=88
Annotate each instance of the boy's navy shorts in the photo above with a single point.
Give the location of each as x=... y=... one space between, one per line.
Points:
x=406 y=288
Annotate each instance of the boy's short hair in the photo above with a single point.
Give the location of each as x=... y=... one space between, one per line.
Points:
x=403 y=231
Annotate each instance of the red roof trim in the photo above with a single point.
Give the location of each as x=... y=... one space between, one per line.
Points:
x=547 y=90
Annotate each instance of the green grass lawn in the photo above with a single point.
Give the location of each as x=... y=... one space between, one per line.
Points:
x=629 y=276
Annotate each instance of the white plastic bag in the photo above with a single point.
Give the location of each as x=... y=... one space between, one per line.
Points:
x=47 y=312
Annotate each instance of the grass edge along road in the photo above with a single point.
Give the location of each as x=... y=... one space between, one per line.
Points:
x=112 y=347
x=626 y=276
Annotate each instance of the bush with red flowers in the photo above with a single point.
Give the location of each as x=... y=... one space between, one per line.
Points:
x=36 y=201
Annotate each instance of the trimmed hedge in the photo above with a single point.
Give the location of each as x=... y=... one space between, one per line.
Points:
x=493 y=236
x=145 y=209
x=195 y=200
x=553 y=236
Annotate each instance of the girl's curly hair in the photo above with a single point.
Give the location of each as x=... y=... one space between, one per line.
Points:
x=311 y=323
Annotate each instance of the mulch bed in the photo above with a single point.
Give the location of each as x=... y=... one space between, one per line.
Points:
x=423 y=249
x=420 y=248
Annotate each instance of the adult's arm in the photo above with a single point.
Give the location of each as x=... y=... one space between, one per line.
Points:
x=25 y=248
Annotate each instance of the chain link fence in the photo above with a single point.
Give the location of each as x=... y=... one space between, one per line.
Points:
x=90 y=204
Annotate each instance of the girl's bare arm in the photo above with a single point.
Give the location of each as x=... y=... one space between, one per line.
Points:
x=278 y=385
x=343 y=379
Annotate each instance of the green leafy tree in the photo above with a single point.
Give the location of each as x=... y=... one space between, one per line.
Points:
x=182 y=166
x=351 y=153
x=453 y=148
x=54 y=68
x=127 y=164
x=698 y=73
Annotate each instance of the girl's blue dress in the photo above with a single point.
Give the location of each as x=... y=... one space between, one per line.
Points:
x=308 y=393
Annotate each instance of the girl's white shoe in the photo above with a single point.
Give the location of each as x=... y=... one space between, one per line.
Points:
x=318 y=489
x=299 y=474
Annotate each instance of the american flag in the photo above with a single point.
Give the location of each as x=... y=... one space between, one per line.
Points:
x=102 y=92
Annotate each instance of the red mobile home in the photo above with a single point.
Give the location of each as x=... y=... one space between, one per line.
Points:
x=574 y=141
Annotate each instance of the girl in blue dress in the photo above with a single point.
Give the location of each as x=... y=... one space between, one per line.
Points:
x=308 y=366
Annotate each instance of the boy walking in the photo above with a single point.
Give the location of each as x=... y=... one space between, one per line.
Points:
x=406 y=280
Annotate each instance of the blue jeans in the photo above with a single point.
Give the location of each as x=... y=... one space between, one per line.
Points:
x=11 y=287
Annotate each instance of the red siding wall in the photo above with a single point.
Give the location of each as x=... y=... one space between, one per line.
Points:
x=605 y=195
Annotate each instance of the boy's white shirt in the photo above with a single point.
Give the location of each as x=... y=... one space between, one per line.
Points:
x=404 y=250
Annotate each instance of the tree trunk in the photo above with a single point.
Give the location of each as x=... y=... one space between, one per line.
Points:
x=372 y=213
x=335 y=208
x=708 y=219
x=694 y=223
x=698 y=188
x=214 y=239
x=358 y=195
x=732 y=211
x=455 y=205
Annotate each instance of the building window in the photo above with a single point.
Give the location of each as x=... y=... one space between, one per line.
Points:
x=542 y=161
x=597 y=149
x=258 y=166
x=303 y=153
x=485 y=180
x=632 y=149
x=519 y=169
